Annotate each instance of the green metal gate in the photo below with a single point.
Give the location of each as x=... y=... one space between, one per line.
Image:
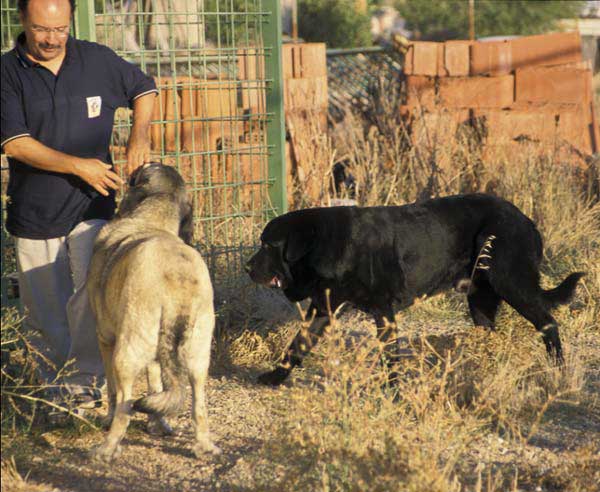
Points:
x=219 y=116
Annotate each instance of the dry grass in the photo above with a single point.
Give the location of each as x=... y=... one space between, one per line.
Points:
x=462 y=398
x=21 y=389
x=12 y=481
x=472 y=407
x=25 y=399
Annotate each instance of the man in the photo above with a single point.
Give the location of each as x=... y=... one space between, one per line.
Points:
x=59 y=96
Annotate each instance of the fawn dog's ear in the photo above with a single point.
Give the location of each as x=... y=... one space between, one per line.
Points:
x=131 y=199
x=186 y=224
x=138 y=188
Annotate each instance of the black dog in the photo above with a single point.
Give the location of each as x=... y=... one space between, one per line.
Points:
x=378 y=258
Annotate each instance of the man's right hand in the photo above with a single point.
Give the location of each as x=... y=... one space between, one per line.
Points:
x=93 y=171
x=97 y=174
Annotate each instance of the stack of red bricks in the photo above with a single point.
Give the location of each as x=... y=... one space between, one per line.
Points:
x=305 y=103
x=527 y=89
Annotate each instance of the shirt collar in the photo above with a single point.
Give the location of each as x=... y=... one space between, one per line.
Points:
x=26 y=62
x=21 y=52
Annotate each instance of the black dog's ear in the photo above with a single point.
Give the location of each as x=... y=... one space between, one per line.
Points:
x=186 y=224
x=299 y=243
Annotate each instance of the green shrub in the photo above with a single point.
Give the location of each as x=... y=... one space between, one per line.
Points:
x=335 y=22
x=449 y=19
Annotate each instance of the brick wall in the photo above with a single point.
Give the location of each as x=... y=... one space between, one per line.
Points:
x=528 y=89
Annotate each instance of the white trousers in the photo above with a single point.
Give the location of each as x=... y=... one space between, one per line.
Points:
x=52 y=275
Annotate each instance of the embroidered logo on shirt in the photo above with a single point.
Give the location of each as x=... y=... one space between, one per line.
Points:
x=94 y=106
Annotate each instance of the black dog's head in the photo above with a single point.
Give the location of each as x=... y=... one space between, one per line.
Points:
x=286 y=244
x=156 y=179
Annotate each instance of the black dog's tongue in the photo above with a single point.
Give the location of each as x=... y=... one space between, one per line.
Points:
x=275 y=282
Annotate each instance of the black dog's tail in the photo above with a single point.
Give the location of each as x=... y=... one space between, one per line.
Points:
x=562 y=293
x=171 y=399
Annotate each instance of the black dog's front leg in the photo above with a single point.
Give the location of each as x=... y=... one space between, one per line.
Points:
x=387 y=333
x=300 y=347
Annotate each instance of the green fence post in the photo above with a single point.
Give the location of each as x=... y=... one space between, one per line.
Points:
x=85 y=23
x=276 y=123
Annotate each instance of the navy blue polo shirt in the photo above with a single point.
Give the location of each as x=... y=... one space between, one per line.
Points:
x=72 y=112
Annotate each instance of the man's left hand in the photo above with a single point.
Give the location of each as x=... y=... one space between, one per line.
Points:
x=138 y=152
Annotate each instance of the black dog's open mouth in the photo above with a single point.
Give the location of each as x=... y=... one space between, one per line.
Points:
x=276 y=282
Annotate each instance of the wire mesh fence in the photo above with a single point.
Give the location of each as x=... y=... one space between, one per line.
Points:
x=10 y=24
x=218 y=117
x=355 y=75
x=208 y=60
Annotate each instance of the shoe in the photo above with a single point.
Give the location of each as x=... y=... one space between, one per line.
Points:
x=87 y=398
x=65 y=404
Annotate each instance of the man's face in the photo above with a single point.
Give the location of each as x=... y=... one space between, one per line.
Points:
x=46 y=25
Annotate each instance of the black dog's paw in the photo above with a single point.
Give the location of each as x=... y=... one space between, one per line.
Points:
x=274 y=377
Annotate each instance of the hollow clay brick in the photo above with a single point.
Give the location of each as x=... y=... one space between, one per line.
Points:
x=453 y=58
x=553 y=125
x=439 y=124
x=575 y=127
x=558 y=84
x=528 y=124
x=306 y=93
x=546 y=49
x=456 y=58
x=441 y=65
x=408 y=60
x=476 y=92
x=420 y=91
x=490 y=58
x=439 y=129
x=288 y=51
x=595 y=130
x=313 y=61
x=424 y=58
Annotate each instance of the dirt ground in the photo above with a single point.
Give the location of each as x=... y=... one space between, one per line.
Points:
x=240 y=414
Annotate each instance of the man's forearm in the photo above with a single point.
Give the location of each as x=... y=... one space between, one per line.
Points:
x=143 y=108
x=94 y=172
x=138 y=146
x=36 y=154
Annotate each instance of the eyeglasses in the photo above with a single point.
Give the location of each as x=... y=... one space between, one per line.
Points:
x=59 y=31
